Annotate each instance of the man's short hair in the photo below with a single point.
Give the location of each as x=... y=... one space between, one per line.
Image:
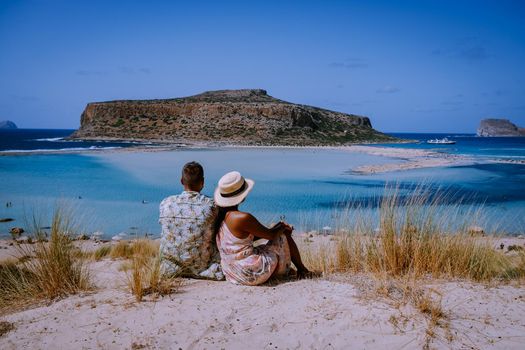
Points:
x=192 y=174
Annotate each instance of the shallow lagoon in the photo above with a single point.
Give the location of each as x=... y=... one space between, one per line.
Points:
x=308 y=186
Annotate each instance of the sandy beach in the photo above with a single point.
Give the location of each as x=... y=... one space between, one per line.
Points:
x=409 y=158
x=310 y=314
x=326 y=313
x=336 y=311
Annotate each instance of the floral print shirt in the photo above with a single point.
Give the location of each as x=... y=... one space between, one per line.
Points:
x=187 y=245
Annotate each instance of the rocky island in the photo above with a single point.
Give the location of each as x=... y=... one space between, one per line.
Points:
x=499 y=127
x=238 y=117
x=7 y=124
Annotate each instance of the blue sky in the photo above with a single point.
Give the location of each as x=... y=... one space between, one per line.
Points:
x=414 y=66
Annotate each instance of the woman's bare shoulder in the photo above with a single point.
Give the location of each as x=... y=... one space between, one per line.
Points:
x=240 y=223
x=239 y=216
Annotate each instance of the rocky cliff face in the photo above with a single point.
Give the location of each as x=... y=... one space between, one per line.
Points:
x=249 y=117
x=7 y=124
x=499 y=127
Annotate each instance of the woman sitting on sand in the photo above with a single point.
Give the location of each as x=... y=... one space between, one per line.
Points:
x=241 y=262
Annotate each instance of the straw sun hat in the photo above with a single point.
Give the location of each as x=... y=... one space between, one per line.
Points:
x=232 y=189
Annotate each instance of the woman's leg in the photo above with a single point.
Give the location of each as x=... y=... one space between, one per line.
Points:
x=280 y=247
x=296 y=256
x=286 y=249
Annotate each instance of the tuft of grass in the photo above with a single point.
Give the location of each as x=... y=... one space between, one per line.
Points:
x=428 y=303
x=429 y=306
x=320 y=258
x=516 y=270
x=137 y=278
x=17 y=285
x=145 y=278
x=417 y=236
x=145 y=247
x=142 y=266
x=55 y=269
x=129 y=249
x=101 y=252
x=6 y=327
x=121 y=250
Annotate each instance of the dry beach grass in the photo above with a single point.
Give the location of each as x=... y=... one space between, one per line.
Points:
x=416 y=237
x=46 y=270
x=142 y=266
x=414 y=244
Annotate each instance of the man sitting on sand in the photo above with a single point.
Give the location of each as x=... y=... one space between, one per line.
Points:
x=187 y=245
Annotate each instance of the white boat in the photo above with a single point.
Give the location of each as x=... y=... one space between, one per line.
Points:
x=443 y=141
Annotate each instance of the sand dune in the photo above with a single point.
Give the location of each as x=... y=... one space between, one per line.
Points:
x=339 y=312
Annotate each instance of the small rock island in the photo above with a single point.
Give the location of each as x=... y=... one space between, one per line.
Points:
x=235 y=117
x=499 y=127
x=7 y=125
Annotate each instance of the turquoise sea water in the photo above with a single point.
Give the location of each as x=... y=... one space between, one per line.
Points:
x=468 y=145
x=120 y=192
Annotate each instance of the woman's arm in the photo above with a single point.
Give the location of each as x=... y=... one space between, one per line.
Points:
x=243 y=224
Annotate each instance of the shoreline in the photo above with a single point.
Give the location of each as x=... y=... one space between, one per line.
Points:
x=10 y=248
x=160 y=145
x=409 y=158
